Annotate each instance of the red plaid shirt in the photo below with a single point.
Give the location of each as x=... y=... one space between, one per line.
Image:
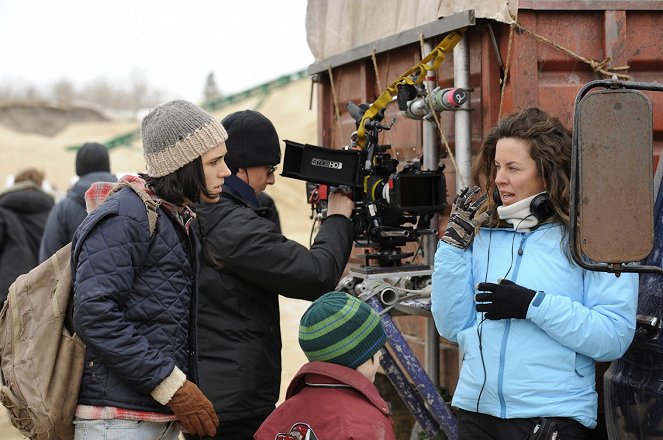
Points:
x=98 y=191
x=109 y=412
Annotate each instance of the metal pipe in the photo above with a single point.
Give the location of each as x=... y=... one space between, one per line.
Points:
x=431 y=150
x=463 y=129
x=431 y=159
x=463 y=132
x=394 y=234
x=438 y=100
x=388 y=296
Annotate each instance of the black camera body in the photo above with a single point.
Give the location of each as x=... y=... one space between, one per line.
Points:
x=392 y=207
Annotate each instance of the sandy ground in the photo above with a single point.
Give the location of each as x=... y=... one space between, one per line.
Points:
x=288 y=108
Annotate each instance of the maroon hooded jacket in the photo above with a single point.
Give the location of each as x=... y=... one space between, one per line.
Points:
x=337 y=402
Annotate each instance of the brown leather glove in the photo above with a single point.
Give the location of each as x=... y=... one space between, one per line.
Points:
x=194 y=411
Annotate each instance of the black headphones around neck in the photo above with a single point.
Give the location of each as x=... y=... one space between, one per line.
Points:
x=540 y=206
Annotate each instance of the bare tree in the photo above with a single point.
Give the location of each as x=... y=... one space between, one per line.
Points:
x=100 y=92
x=132 y=95
x=17 y=89
x=211 y=90
x=138 y=92
x=64 y=92
x=32 y=93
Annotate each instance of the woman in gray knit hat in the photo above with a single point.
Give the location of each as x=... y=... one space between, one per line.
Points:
x=134 y=291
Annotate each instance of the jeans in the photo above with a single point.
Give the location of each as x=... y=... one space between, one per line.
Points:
x=118 y=429
x=242 y=429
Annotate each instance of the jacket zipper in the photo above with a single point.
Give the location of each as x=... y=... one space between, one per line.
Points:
x=505 y=335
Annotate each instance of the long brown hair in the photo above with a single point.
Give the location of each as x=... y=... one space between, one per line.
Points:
x=550 y=148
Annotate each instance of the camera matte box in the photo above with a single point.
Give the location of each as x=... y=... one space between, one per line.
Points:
x=419 y=193
x=321 y=165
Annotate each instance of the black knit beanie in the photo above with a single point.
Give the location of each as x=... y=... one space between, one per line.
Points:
x=252 y=140
x=92 y=157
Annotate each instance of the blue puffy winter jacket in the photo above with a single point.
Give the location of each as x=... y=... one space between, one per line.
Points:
x=68 y=213
x=543 y=365
x=134 y=302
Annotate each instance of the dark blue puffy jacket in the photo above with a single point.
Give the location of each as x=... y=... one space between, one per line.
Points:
x=134 y=302
x=68 y=213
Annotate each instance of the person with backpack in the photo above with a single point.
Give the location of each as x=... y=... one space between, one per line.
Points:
x=92 y=165
x=24 y=208
x=333 y=396
x=135 y=292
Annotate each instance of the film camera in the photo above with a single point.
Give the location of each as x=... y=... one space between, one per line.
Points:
x=392 y=206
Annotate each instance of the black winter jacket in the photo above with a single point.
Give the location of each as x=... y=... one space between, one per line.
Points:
x=246 y=264
x=24 y=209
x=68 y=213
x=134 y=302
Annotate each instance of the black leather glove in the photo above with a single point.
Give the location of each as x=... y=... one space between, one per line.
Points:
x=462 y=222
x=507 y=300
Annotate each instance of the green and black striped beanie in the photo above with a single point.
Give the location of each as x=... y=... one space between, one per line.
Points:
x=340 y=329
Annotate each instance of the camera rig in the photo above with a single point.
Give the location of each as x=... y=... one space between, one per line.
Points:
x=393 y=206
x=394 y=203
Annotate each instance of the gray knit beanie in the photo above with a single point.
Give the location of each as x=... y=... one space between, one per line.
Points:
x=176 y=133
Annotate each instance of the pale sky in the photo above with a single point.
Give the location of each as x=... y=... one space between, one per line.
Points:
x=172 y=44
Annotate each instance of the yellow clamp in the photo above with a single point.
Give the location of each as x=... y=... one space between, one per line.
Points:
x=436 y=56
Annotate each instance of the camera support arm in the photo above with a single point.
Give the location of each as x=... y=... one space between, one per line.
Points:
x=415 y=75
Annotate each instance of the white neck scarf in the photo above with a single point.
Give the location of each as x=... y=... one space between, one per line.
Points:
x=519 y=214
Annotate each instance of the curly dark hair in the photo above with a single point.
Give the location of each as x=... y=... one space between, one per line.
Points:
x=550 y=148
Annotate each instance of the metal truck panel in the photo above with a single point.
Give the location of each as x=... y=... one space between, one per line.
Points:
x=576 y=39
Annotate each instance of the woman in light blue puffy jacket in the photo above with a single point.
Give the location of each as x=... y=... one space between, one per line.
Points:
x=529 y=322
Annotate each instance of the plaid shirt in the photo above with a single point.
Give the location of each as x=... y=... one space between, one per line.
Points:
x=98 y=191
x=108 y=412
